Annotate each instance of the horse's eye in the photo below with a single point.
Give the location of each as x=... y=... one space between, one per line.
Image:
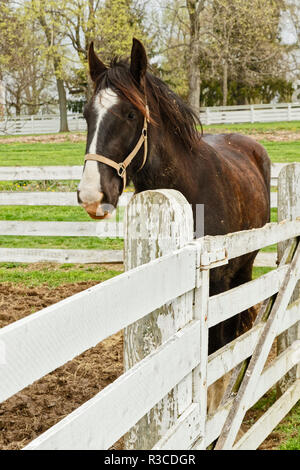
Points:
x=131 y=115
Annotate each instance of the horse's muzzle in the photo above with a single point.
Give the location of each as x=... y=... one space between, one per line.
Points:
x=96 y=210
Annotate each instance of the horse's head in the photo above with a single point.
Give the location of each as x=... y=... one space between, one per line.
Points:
x=117 y=127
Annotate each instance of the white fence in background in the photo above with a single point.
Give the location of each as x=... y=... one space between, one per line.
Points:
x=250 y=113
x=35 y=124
x=106 y=228
x=48 y=124
x=171 y=295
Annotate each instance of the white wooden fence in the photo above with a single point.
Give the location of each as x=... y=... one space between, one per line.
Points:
x=112 y=229
x=250 y=113
x=209 y=115
x=165 y=308
x=35 y=124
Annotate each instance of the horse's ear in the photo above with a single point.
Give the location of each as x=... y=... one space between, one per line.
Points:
x=138 y=63
x=96 y=66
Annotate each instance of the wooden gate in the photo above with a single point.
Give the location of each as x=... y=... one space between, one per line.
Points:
x=272 y=312
x=164 y=307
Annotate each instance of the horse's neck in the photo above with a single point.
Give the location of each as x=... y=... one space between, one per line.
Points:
x=166 y=167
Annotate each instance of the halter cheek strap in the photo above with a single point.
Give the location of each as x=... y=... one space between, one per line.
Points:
x=121 y=167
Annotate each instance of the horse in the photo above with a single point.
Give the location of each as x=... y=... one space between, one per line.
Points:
x=141 y=131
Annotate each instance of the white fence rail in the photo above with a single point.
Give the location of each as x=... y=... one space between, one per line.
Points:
x=209 y=115
x=250 y=113
x=46 y=124
x=110 y=229
x=165 y=308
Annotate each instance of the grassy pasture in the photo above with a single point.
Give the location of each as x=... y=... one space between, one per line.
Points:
x=71 y=153
x=252 y=128
x=53 y=275
x=38 y=154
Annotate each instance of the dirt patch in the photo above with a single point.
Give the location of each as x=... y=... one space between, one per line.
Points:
x=39 y=406
x=45 y=139
x=277 y=136
x=272 y=136
x=273 y=440
x=17 y=301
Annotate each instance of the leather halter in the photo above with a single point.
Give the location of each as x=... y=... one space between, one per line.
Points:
x=121 y=167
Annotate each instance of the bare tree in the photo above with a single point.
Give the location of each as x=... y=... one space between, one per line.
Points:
x=224 y=40
x=48 y=16
x=194 y=7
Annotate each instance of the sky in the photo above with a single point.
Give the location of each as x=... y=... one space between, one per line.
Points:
x=289 y=35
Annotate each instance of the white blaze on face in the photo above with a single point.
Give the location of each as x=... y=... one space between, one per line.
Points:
x=90 y=184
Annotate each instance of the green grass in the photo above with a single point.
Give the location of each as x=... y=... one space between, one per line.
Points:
x=71 y=153
x=283 y=152
x=56 y=213
x=47 y=213
x=280 y=152
x=270 y=249
x=274 y=214
x=259 y=271
x=266 y=401
x=22 y=154
x=61 y=213
x=289 y=430
x=54 y=275
x=44 y=213
x=257 y=127
x=66 y=135
x=73 y=243
x=47 y=185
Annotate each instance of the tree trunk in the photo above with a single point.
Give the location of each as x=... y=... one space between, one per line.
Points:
x=225 y=84
x=18 y=104
x=62 y=105
x=194 y=8
x=194 y=79
x=56 y=64
x=2 y=100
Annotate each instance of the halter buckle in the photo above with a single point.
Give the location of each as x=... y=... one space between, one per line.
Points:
x=121 y=170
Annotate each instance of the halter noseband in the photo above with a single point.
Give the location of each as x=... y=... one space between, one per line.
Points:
x=121 y=167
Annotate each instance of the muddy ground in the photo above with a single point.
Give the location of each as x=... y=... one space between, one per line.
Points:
x=272 y=136
x=39 y=406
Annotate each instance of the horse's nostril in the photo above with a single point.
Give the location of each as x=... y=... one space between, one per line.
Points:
x=78 y=198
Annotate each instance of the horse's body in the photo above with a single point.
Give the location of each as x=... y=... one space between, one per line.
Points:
x=229 y=174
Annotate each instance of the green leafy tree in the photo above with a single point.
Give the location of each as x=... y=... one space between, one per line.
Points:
x=111 y=24
x=24 y=72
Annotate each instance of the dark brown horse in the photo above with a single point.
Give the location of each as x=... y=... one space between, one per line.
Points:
x=229 y=174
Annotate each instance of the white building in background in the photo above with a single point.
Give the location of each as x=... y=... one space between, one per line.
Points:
x=2 y=100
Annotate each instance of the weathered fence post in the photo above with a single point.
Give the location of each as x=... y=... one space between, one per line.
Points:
x=157 y=223
x=288 y=208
